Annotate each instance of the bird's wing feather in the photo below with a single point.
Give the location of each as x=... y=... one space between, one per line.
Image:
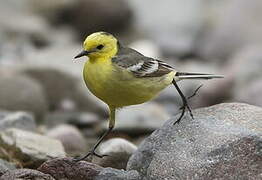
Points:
x=139 y=65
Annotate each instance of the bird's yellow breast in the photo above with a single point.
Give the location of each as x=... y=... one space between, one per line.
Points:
x=118 y=87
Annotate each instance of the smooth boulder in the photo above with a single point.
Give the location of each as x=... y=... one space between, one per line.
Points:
x=222 y=142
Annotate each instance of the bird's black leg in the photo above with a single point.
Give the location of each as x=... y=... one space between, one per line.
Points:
x=195 y=92
x=185 y=104
x=92 y=152
x=111 y=126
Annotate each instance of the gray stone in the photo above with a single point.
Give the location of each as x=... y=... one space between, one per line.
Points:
x=71 y=138
x=115 y=174
x=143 y=118
x=28 y=148
x=20 y=174
x=22 y=93
x=5 y=166
x=69 y=169
x=118 y=151
x=19 y=120
x=222 y=142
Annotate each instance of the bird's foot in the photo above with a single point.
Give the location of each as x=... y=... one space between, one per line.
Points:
x=91 y=153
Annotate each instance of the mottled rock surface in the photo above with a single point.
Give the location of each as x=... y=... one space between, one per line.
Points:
x=69 y=169
x=30 y=149
x=223 y=141
x=23 y=174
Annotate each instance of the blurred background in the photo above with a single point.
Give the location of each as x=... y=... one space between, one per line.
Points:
x=38 y=40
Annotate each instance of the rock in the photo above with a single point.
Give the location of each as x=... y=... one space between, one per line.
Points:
x=175 y=35
x=112 y=16
x=5 y=166
x=222 y=142
x=143 y=118
x=251 y=94
x=58 y=85
x=71 y=138
x=22 y=93
x=25 y=174
x=226 y=37
x=118 y=151
x=28 y=148
x=19 y=120
x=110 y=173
x=68 y=169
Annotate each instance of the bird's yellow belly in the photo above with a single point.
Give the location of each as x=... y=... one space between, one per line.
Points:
x=120 y=88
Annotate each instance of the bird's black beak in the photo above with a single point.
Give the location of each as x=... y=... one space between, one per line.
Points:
x=83 y=53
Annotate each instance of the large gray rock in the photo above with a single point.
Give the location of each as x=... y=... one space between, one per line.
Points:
x=222 y=142
x=28 y=148
x=20 y=174
x=22 y=93
x=115 y=174
x=19 y=120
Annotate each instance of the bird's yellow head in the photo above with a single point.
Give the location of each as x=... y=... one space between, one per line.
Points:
x=99 y=45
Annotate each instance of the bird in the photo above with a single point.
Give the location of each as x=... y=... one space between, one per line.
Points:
x=121 y=76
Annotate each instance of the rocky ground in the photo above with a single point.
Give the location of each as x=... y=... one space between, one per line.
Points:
x=48 y=117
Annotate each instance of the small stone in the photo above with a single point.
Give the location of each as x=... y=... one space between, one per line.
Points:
x=20 y=174
x=5 y=166
x=19 y=120
x=118 y=151
x=143 y=118
x=28 y=148
x=69 y=169
x=221 y=142
x=71 y=138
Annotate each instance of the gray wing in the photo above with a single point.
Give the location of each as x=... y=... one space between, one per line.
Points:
x=140 y=65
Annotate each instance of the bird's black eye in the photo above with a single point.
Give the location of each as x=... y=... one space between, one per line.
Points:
x=100 y=47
